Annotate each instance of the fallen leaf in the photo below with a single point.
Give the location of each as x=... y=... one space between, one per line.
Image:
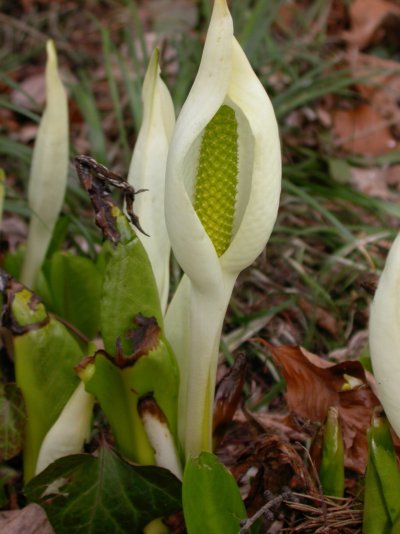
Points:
x=371 y=181
x=372 y=127
x=29 y=520
x=31 y=92
x=275 y=423
x=313 y=385
x=368 y=19
x=278 y=465
x=363 y=130
x=393 y=177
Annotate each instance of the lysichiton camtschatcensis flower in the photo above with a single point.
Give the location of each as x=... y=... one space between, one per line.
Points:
x=147 y=171
x=222 y=195
x=49 y=170
x=384 y=336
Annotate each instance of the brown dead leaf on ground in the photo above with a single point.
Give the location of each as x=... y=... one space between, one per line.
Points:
x=313 y=385
x=370 y=20
x=378 y=182
x=272 y=423
x=29 y=520
x=363 y=130
x=373 y=127
x=278 y=466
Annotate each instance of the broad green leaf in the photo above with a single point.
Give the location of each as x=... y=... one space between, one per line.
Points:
x=137 y=359
x=12 y=421
x=45 y=354
x=13 y=261
x=118 y=390
x=75 y=285
x=129 y=287
x=211 y=497
x=84 y=494
x=140 y=359
x=59 y=234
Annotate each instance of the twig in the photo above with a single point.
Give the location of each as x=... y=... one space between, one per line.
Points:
x=317 y=480
x=276 y=501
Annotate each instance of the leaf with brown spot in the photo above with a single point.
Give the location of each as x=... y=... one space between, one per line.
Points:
x=313 y=385
x=145 y=338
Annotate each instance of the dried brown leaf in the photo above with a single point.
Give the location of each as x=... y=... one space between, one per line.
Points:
x=30 y=520
x=368 y=21
x=313 y=385
x=363 y=130
x=279 y=466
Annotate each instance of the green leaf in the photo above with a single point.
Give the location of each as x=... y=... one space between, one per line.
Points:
x=143 y=361
x=137 y=359
x=129 y=288
x=119 y=389
x=340 y=170
x=13 y=261
x=59 y=235
x=75 y=285
x=90 y=495
x=211 y=498
x=12 y=421
x=45 y=354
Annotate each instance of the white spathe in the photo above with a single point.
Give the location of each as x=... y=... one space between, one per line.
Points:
x=384 y=336
x=70 y=431
x=225 y=77
x=162 y=442
x=147 y=171
x=49 y=170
